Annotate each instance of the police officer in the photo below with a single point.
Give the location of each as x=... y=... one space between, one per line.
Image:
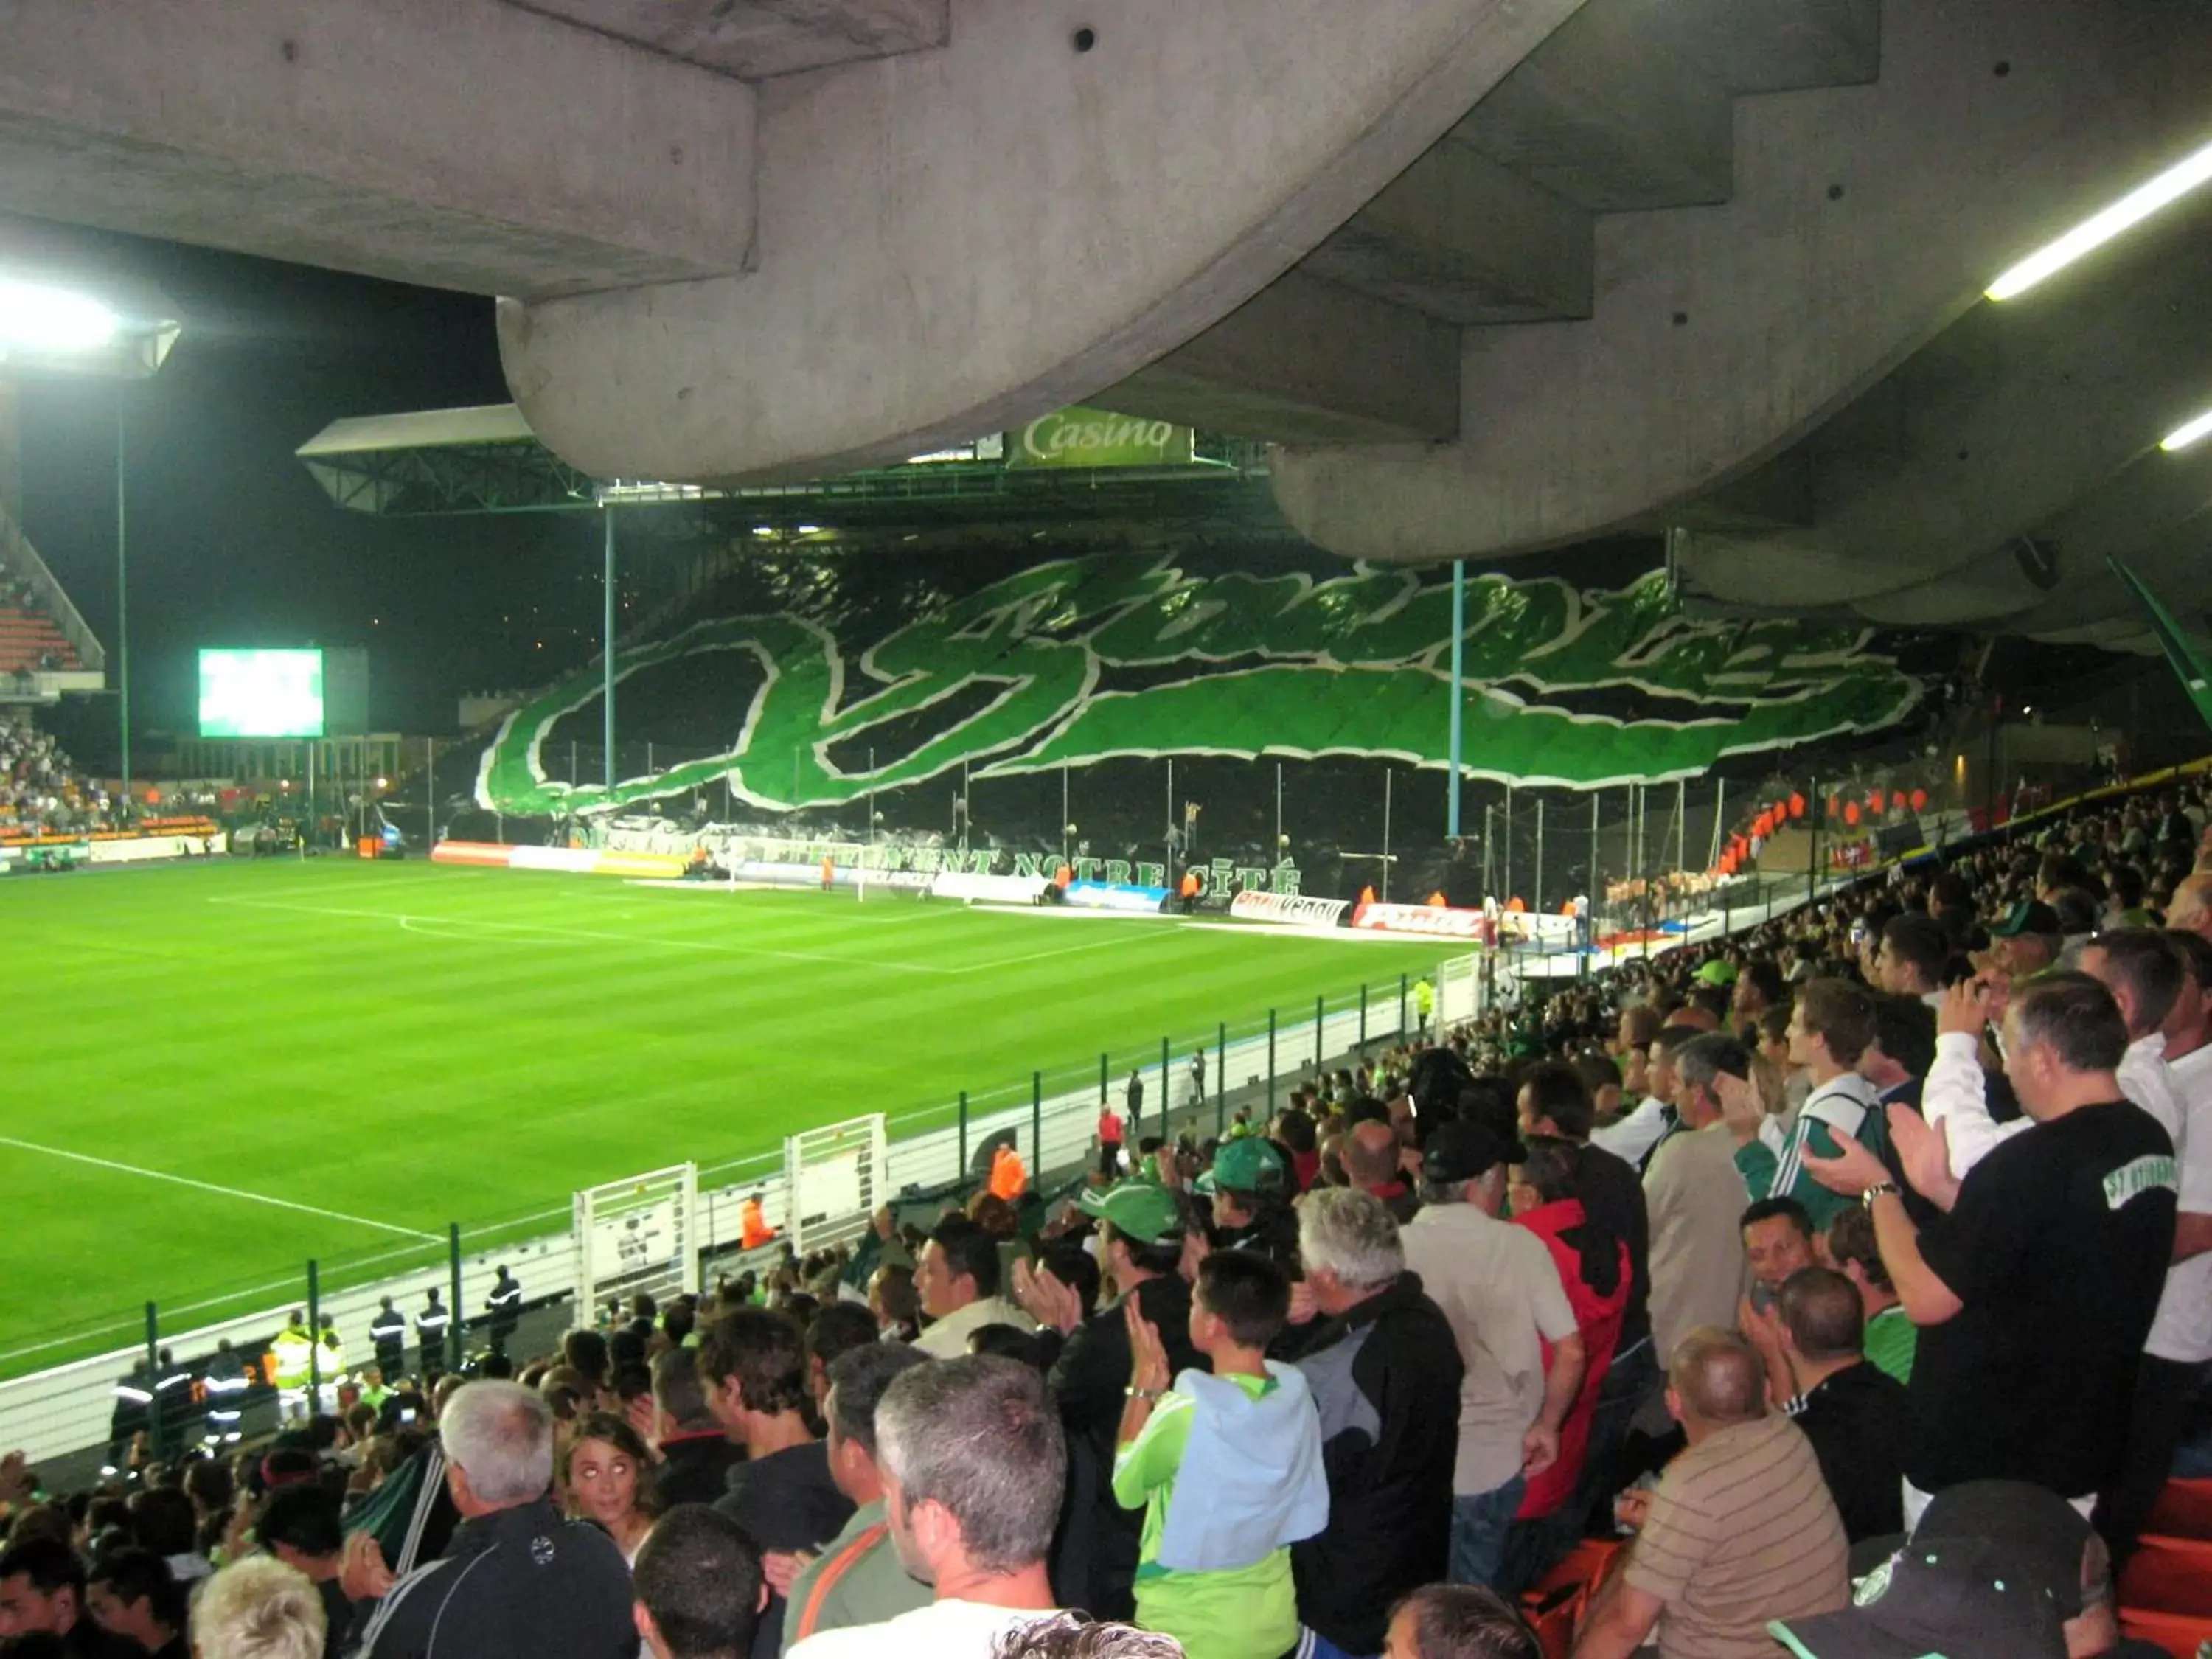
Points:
x=430 y=1336
x=505 y=1306
x=132 y=1414
x=388 y=1332
x=291 y=1361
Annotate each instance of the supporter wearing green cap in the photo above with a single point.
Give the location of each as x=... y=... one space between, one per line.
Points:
x=1251 y=1189
x=1139 y=1210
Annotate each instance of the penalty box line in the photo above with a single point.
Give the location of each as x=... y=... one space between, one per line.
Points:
x=212 y=1187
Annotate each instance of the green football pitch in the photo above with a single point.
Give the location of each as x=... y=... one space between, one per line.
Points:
x=217 y=1071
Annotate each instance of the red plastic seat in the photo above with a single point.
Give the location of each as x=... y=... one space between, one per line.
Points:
x=1554 y=1608
x=2168 y=1575
x=2184 y=1510
x=2181 y=1634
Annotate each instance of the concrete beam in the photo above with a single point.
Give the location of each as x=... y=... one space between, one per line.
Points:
x=1610 y=116
x=2019 y=413
x=1459 y=237
x=1699 y=363
x=955 y=241
x=2156 y=513
x=1304 y=360
x=755 y=38
x=465 y=146
x=1781 y=46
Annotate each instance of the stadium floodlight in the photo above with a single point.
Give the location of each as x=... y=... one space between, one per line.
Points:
x=2189 y=433
x=44 y=318
x=2092 y=233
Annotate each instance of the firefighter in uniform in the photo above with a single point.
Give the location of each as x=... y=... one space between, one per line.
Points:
x=291 y=1358
x=173 y=1403
x=226 y=1384
x=430 y=1337
x=387 y=1332
x=505 y=1306
x=132 y=1415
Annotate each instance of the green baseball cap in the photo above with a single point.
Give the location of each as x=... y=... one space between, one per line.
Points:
x=1251 y=1165
x=1717 y=973
x=1137 y=1209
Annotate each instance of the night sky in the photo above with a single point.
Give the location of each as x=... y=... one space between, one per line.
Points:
x=231 y=543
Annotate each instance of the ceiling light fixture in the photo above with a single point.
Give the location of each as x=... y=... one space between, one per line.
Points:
x=2182 y=436
x=2099 y=229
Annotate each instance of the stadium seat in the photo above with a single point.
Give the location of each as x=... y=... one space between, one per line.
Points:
x=1557 y=1603
x=2181 y=1634
x=2184 y=1510
x=2169 y=1575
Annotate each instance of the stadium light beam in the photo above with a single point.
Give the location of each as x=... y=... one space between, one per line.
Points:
x=2188 y=432
x=2092 y=233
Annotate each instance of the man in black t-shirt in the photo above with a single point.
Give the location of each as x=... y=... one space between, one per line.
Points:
x=752 y=1365
x=2035 y=1289
x=1854 y=1415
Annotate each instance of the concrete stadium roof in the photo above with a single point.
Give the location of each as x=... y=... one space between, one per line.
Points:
x=1499 y=278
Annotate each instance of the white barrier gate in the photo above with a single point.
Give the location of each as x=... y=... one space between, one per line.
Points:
x=835 y=1180
x=638 y=1235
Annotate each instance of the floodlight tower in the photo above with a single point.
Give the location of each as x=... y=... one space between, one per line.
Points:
x=60 y=319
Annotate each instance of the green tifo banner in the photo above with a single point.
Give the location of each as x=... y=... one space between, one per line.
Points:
x=1093 y=437
x=1358 y=664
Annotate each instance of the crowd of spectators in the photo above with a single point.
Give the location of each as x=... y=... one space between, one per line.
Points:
x=1853 y=1276
x=41 y=792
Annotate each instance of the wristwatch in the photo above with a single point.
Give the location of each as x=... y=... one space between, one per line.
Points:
x=1879 y=1190
x=1150 y=1396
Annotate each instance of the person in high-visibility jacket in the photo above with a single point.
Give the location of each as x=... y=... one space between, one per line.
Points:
x=1424 y=1002
x=1010 y=1176
x=291 y=1358
x=753 y=1231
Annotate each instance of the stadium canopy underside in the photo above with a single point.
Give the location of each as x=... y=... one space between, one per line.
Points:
x=487 y=461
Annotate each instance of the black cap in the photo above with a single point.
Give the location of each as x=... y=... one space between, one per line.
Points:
x=2042 y=1536
x=1463 y=1149
x=1964 y=1598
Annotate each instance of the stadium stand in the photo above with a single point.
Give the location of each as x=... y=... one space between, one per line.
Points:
x=41 y=792
x=2009 y=1306
x=30 y=638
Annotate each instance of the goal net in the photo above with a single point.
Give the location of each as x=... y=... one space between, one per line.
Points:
x=637 y=1235
x=835 y=1181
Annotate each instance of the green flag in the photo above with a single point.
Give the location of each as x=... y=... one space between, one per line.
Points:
x=2180 y=651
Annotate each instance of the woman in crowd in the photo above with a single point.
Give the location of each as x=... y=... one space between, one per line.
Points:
x=602 y=1473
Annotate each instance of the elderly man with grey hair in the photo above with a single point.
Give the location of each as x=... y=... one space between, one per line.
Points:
x=517 y=1581
x=1384 y=1369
